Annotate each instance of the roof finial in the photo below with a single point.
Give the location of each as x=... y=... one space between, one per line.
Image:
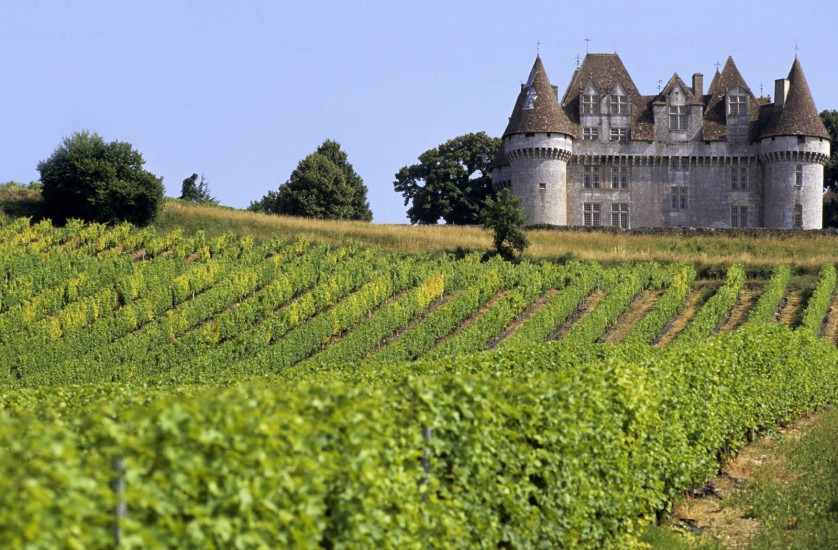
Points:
x=717 y=66
x=538 y=48
x=795 y=49
x=760 y=89
x=577 y=60
x=587 y=43
x=659 y=85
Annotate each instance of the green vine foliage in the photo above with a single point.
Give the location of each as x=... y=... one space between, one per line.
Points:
x=285 y=394
x=546 y=444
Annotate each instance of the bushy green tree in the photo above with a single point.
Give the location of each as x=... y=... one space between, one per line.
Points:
x=830 y=174
x=830 y=171
x=450 y=182
x=265 y=205
x=360 y=206
x=324 y=185
x=193 y=190
x=504 y=216
x=92 y=180
x=830 y=209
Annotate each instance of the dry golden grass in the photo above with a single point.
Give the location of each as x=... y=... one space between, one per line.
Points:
x=807 y=252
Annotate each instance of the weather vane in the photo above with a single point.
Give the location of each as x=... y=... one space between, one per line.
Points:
x=587 y=43
x=717 y=66
x=795 y=49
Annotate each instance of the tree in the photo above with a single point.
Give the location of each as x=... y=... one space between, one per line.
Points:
x=504 y=216
x=265 y=205
x=830 y=174
x=92 y=180
x=194 y=191
x=360 y=206
x=450 y=182
x=324 y=185
x=830 y=209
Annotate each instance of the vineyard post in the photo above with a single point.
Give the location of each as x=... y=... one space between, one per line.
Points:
x=426 y=460
x=118 y=487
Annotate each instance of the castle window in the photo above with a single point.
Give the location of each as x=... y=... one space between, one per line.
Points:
x=801 y=139
x=619 y=105
x=798 y=176
x=620 y=215
x=737 y=104
x=619 y=177
x=739 y=177
x=590 y=104
x=619 y=134
x=678 y=117
x=679 y=163
x=542 y=186
x=679 y=197
x=590 y=214
x=590 y=177
x=739 y=216
x=590 y=134
x=798 y=216
x=737 y=133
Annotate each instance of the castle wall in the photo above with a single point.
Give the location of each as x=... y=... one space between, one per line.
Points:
x=781 y=156
x=698 y=171
x=538 y=172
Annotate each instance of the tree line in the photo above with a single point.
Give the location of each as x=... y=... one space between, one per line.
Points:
x=90 y=179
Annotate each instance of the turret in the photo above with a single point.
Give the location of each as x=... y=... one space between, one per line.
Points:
x=535 y=149
x=794 y=147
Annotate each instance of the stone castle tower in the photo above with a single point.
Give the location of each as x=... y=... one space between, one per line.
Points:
x=605 y=155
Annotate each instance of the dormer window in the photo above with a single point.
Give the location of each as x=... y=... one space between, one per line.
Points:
x=619 y=105
x=590 y=104
x=619 y=134
x=678 y=117
x=737 y=104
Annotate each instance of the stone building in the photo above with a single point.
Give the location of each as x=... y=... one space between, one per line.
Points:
x=603 y=154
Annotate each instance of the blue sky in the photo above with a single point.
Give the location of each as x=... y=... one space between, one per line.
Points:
x=242 y=91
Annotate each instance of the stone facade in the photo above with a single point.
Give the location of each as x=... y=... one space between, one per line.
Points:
x=605 y=155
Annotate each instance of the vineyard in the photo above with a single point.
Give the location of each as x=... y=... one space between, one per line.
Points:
x=174 y=389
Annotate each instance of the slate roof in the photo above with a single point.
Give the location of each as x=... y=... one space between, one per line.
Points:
x=799 y=117
x=604 y=70
x=688 y=91
x=537 y=109
x=715 y=126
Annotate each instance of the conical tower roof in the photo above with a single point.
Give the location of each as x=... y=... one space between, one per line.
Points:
x=798 y=117
x=537 y=108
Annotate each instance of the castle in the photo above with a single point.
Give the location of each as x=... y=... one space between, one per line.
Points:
x=605 y=155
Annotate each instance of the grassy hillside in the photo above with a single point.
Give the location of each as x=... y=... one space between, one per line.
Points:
x=706 y=249
x=264 y=383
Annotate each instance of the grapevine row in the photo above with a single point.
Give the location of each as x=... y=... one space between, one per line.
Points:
x=711 y=313
x=819 y=301
x=773 y=292
x=667 y=305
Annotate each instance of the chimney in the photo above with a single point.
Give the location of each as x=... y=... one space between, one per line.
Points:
x=698 y=85
x=781 y=90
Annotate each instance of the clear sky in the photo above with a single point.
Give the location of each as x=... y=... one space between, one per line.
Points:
x=242 y=91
